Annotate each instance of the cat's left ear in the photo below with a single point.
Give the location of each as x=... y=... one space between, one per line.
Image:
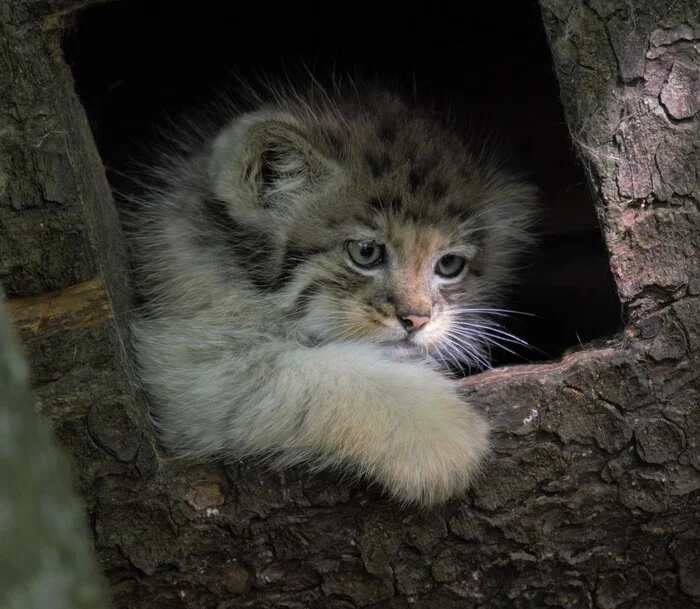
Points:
x=266 y=161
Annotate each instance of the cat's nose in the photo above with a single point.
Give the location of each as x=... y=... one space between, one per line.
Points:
x=414 y=321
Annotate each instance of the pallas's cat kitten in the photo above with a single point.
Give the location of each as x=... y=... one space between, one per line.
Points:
x=311 y=274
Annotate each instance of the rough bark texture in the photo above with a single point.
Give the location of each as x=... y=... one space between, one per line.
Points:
x=46 y=556
x=592 y=498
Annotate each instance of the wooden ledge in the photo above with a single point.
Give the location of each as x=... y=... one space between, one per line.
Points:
x=75 y=308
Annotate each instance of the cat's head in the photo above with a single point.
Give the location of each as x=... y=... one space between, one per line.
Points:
x=370 y=222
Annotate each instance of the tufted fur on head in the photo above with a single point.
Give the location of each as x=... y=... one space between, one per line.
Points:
x=311 y=272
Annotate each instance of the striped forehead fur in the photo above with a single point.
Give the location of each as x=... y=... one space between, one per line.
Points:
x=387 y=162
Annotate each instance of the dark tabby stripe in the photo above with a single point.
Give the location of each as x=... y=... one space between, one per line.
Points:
x=379 y=163
x=292 y=258
x=438 y=188
x=415 y=180
x=252 y=249
x=388 y=130
x=301 y=302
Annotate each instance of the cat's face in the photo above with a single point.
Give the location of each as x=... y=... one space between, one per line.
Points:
x=397 y=284
x=381 y=227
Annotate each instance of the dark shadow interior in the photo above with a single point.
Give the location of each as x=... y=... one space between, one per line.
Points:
x=139 y=63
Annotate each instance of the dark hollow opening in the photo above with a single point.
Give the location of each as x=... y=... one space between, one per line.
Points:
x=138 y=64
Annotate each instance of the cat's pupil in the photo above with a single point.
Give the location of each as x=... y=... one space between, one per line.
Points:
x=366 y=251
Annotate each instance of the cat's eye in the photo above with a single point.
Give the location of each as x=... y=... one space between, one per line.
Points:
x=450 y=265
x=365 y=254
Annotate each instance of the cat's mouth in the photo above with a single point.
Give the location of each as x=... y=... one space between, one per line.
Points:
x=400 y=348
x=406 y=348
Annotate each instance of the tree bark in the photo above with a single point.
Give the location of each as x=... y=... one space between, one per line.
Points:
x=592 y=496
x=46 y=555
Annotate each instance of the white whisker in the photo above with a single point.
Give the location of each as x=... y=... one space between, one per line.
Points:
x=494 y=333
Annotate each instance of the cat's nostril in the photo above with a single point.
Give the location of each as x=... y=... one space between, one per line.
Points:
x=413 y=322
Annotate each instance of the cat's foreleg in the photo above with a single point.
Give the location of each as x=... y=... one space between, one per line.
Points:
x=399 y=423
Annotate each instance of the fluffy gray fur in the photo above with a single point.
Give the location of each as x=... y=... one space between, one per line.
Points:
x=262 y=336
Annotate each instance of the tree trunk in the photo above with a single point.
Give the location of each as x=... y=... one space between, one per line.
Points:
x=592 y=496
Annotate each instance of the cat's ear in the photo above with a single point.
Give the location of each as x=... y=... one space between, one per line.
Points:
x=267 y=161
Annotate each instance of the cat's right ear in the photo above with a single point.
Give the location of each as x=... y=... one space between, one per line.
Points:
x=266 y=161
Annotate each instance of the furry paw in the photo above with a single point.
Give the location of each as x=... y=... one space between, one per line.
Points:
x=407 y=429
x=430 y=462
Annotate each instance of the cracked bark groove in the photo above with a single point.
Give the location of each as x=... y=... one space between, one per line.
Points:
x=592 y=498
